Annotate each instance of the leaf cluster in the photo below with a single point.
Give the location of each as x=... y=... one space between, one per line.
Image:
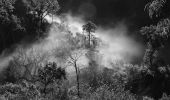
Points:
x=50 y=74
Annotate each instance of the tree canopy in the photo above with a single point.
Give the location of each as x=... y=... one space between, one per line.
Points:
x=24 y=20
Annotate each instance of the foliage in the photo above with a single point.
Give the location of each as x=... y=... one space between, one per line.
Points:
x=10 y=23
x=41 y=8
x=154 y=71
x=31 y=78
x=23 y=90
x=157 y=35
x=24 y=65
x=154 y=7
x=47 y=82
x=90 y=28
x=24 y=20
x=104 y=93
x=50 y=74
x=109 y=84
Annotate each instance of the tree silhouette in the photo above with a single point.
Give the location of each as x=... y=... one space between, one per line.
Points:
x=73 y=59
x=10 y=23
x=76 y=53
x=156 y=36
x=72 y=51
x=42 y=8
x=90 y=28
x=24 y=20
x=49 y=74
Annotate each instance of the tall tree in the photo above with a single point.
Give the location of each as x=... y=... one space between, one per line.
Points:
x=42 y=8
x=71 y=52
x=77 y=52
x=24 y=20
x=73 y=59
x=90 y=28
x=156 y=36
x=10 y=23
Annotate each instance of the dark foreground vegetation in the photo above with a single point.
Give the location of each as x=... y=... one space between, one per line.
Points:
x=30 y=76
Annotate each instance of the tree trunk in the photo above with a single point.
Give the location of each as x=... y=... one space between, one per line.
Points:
x=89 y=40
x=44 y=90
x=40 y=24
x=77 y=74
x=150 y=55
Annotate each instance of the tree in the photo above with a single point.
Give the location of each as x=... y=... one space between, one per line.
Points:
x=90 y=28
x=9 y=23
x=77 y=51
x=154 y=7
x=24 y=65
x=50 y=74
x=42 y=8
x=24 y=20
x=156 y=36
x=71 y=52
x=73 y=59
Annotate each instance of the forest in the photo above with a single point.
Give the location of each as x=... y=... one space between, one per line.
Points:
x=50 y=50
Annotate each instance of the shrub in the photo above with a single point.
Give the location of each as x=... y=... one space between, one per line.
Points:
x=24 y=90
x=49 y=75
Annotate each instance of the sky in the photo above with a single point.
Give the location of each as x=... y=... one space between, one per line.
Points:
x=109 y=12
x=105 y=11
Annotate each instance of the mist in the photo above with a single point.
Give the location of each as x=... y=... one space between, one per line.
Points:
x=116 y=44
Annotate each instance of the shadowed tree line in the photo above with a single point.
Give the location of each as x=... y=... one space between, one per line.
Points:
x=24 y=20
x=154 y=80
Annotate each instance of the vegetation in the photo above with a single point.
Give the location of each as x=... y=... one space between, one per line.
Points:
x=24 y=20
x=31 y=75
x=49 y=75
x=156 y=37
x=89 y=28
